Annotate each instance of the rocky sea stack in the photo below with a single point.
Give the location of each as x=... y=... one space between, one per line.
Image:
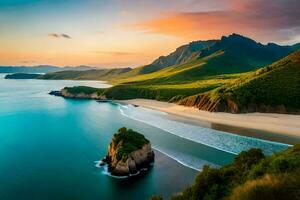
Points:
x=128 y=153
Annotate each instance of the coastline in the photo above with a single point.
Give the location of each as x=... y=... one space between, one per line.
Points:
x=276 y=126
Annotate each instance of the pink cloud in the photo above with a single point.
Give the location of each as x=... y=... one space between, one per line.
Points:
x=261 y=19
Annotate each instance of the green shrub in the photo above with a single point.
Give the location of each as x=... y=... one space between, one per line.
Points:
x=127 y=141
x=251 y=176
x=275 y=187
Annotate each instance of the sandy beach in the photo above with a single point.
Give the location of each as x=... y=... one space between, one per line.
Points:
x=279 y=124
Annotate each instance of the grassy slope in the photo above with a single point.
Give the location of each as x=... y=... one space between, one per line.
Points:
x=250 y=177
x=173 y=82
x=232 y=54
x=103 y=74
x=272 y=88
x=263 y=90
x=152 y=86
x=164 y=84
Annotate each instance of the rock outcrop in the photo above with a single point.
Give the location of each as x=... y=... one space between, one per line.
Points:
x=80 y=92
x=128 y=153
x=81 y=95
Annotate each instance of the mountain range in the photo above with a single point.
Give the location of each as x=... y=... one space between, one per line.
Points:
x=232 y=74
x=230 y=54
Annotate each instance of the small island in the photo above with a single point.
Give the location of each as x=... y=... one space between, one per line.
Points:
x=128 y=153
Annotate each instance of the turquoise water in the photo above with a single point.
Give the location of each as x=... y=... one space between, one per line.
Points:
x=49 y=145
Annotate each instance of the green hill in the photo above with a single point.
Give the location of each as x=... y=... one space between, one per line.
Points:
x=251 y=176
x=232 y=54
x=236 y=54
x=194 y=61
x=274 y=88
x=99 y=74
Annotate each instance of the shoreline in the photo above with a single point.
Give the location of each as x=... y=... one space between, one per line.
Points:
x=277 y=127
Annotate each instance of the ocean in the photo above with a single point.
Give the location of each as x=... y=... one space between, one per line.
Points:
x=49 y=146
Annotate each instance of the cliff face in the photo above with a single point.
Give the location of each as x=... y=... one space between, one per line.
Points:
x=128 y=153
x=206 y=103
x=135 y=161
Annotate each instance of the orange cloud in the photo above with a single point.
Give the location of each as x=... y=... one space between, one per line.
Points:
x=117 y=53
x=188 y=25
x=261 y=19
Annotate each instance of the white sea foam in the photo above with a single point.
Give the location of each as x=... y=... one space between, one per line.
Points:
x=185 y=160
x=107 y=173
x=221 y=140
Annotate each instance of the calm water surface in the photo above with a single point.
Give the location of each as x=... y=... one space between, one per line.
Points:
x=49 y=145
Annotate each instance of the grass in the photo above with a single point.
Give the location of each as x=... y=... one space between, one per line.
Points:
x=277 y=187
x=167 y=74
x=163 y=92
x=101 y=74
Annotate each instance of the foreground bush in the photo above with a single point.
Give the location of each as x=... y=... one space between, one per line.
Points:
x=251 y=176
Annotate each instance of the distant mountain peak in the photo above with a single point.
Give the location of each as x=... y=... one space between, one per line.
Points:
x=237 y=38
x=251 y=53
x=183 y=54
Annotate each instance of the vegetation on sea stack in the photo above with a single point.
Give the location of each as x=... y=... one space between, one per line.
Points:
x=129 y=152
x=127 y=141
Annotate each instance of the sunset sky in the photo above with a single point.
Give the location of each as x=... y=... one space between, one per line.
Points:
x=122 y=33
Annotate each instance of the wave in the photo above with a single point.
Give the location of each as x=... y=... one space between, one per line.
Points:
x=183 y=159
x=107 y=173
x=195 y=166
x=220 y=140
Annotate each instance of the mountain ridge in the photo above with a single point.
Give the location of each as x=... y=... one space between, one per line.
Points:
x=230 y=54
